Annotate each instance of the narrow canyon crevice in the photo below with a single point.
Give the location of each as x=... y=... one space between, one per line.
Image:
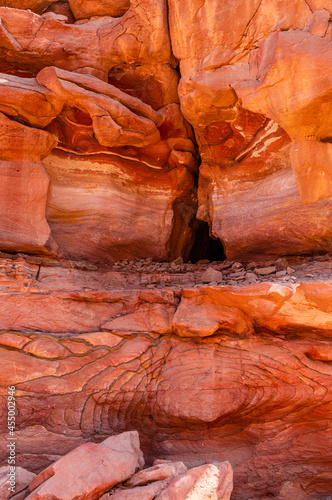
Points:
x=166 y=248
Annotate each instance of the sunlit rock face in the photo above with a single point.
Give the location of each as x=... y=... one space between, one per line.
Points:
x=203 y=373
x=128 y=131
x=121 y=179
x=256 y=88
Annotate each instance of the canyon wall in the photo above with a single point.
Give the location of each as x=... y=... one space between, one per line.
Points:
x=165 y=229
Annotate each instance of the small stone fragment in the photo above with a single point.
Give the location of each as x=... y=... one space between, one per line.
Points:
x=251 y=276
x=204 y=482
x=281 y=273
x=265 y=270
x=177 y=262
x=237 y=265
x=290 y=270
x=281 y=264
x=156 y=473
x=211 y=275
x=148 y=492
x=238 y=273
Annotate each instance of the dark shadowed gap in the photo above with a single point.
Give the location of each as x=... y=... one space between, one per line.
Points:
x=205 y=246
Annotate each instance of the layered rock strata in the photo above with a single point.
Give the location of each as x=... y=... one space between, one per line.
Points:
x=257 y=95
x=203 y=373
x=124 y=124
x=117 y=162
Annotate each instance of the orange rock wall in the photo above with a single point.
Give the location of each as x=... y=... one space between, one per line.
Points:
x=123 y=124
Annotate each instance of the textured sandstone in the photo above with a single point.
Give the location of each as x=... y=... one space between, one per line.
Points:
x=23 y=188
x=156 y=473
x=30 y=42
x=148 y=492
x=207 y=481
x=115 y=119
x=229 y=30
x=258 y=397
x=135 y=218
x=89 y=470
x=22 y=479
x=83 y=9
x=109 y=152
x=37 y=6
x=255 y=121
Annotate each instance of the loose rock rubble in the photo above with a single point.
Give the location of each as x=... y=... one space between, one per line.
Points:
x=218 y=273
x=106 y=471
x=31 y=271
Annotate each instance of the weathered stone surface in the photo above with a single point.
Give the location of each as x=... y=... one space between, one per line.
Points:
x=89 y=470
x=37 y=6
x=23 y=188
x=99 y=163
x=116 y=119
x=201 y=317
x=228 y=199
x=13 y=483
x=130 y=214
x=207 y=481
x=230 y=30
x=93 y=47
x=148 y=492
x=137 y=487
x=254 y=120
x=83 y=9
x=211 y=275
x=260 y=400
x=156 y=473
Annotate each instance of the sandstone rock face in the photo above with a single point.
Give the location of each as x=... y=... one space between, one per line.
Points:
x=263 y=133
x=37 y=6
x=24 y=187
x=137 y=137
x=120 y=164
x=84 y=9
x=91 y=362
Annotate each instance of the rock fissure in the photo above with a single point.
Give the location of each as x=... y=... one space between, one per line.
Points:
x=165 y=248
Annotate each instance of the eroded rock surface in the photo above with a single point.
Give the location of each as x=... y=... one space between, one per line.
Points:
x=255 y=88
x=87 y=360
x=138 y=136
x=89 y=470
x=120 y=163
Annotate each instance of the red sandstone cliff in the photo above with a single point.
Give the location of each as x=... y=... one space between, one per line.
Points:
x=129 y=131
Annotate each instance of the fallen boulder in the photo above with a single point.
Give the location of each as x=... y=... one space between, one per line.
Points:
x=207 y=481
x=90 y=470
